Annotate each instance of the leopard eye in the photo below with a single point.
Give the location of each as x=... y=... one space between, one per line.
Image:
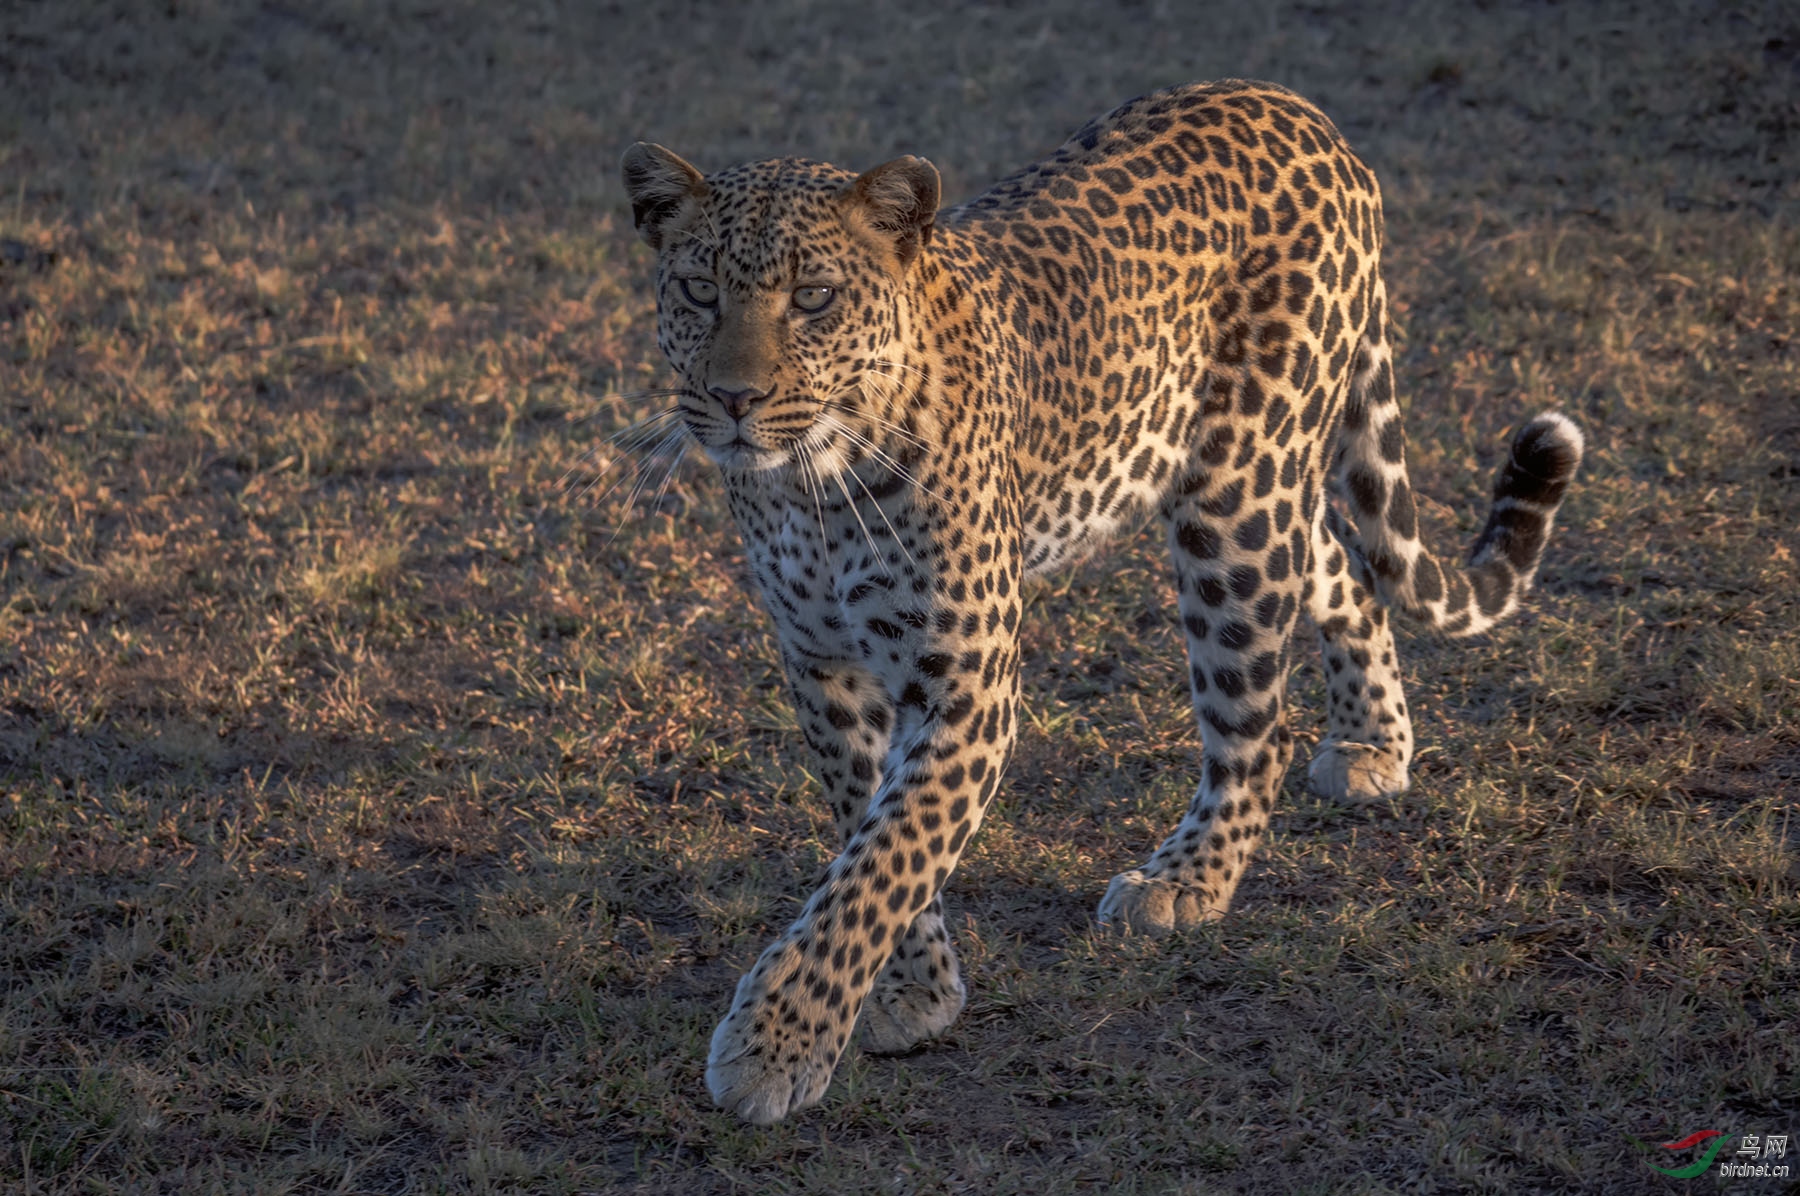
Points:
x=700 y=292
x=813 y=299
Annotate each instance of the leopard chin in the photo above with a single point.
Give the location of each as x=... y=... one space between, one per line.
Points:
x=747 y=458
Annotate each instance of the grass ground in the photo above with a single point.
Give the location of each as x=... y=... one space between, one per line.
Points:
x=380 y=813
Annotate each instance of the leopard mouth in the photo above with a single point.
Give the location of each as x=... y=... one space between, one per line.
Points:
x=750 y=446
x=732 y=445
x=799 y=437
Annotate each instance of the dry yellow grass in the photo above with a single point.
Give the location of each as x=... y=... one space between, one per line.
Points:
x=381 y=813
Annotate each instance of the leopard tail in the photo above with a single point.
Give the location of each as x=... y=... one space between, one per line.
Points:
x=1371 y=477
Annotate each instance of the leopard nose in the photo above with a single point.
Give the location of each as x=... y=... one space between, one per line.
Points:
x=737 y=403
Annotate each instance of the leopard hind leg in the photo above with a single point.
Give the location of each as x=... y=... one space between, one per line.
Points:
x=920 y=990
x=1239 y=591
x=1368 y=741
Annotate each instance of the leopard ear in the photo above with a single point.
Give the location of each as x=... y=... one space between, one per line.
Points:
x=662 y=188
x=898 y=201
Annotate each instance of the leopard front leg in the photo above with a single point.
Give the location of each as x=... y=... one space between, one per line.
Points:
x=847 y=719
x=794 y=1012
x=954 y=700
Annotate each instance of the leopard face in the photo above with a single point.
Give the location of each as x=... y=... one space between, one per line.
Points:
x=780 y=294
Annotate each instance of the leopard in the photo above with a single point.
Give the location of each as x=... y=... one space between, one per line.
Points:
x=1179 y=312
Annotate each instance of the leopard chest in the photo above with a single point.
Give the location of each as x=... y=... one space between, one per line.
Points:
x=816 y=573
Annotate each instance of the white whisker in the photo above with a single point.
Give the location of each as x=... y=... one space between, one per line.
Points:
x=640 y=478
x=621 y=398
x=896 y=429
x=638 y=475
x=626 y=396
x=694 y=235
x=876 y=452
x=644 y=430
x=877 y=418
x=868 y=538
x=628 y=440
x=900 y=365
x=669 y=474
x=814 y=488
x=882 y=511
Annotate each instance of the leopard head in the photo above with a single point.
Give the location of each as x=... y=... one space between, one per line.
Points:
x=780 y=288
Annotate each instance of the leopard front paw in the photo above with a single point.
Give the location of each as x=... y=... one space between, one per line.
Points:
x=1356 y=772
x=775 y=1052
x=1140 y=904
